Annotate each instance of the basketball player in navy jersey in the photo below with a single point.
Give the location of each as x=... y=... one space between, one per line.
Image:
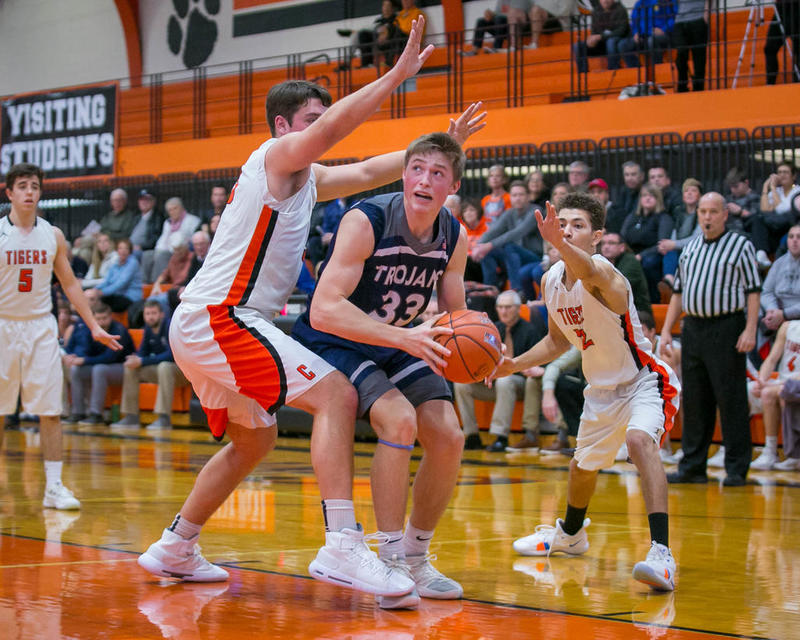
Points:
x=31 y=250
x=632 y=396
x=388 y=255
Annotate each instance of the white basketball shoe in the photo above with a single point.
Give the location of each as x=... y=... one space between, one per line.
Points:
x=174 y=557
x=347 y=561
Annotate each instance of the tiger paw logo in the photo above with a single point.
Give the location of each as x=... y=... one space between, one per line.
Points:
x=193 y=38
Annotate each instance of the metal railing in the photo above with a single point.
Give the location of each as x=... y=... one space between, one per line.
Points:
x=178 y=104
x=706 y=155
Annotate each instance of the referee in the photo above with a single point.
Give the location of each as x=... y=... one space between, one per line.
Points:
x=717 y=286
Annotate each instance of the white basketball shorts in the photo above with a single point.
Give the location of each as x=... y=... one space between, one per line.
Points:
x=30 y=364
x=648 y=403
x=241 y=366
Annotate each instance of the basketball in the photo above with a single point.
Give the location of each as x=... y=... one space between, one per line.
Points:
x=475 y=345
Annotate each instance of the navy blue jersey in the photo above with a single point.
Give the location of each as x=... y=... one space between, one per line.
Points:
x=395 y=287
x=402 y=272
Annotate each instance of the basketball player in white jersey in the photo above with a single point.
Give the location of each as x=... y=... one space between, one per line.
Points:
x=632 y=396
x=31 y=250
x=241 y=366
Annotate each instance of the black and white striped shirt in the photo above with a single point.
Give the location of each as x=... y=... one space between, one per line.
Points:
x=714 y=277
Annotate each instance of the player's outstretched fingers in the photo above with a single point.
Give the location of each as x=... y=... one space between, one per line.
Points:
x=467 y=123
x=412 y=59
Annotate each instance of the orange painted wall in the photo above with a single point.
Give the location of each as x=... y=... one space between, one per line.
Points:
x=746 y=108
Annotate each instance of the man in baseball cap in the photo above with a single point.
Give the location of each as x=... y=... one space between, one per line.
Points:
x=148 y=226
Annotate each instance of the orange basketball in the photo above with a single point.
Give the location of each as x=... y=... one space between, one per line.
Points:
x=475 y=346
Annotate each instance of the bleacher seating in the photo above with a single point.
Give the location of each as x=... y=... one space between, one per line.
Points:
x=546 y=78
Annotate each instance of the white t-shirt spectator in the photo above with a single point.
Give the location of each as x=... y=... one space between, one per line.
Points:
x=185 y=228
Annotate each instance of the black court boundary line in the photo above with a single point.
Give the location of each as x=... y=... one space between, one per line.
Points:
x=235 y=565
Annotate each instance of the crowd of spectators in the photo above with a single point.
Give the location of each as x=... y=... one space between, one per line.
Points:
x=650 y=223
x=133 y=267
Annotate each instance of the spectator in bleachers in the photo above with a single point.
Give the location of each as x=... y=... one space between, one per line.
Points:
x=785 y=24
x=538 y=191
x=783 y=357
x=382 y=31
x=560 y=189
x=103 y=256
x=453 y=203
x=598 y=189
x=498 y=199
x=200 y=245
x=642 y=231
x=171 y=297
x=175 y=273
x=613 y=249
x=578 y=175
x=512 y=241
x=95 y=364
x=152 y=362
x=685 y=229
x=530 y=276
x=610 y=27
x=120 y=221
x=123 y=282
x=628 y=196
x=473 y=221
x=562 y=399
x=652 y=22
x=219 y=198
x=776 y=202
x=744 y=214
x=780 y=297
x=66 y=326
x=545 y=10
x=658 y=176
x=212 y=226
x=324 y=227
x=179 y=224
x=403 y=20
x=690 y=35
x=149 y=225
x=518 y=335
x=494 y=24
x=79 y=266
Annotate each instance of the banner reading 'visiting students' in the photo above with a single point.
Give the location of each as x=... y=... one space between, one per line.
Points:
x=67 y=133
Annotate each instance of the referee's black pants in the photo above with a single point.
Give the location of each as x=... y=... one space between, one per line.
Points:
x=714 y=375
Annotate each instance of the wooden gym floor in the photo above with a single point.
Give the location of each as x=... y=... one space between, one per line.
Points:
x=74 y=575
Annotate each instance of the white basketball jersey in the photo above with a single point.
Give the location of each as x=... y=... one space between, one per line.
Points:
x=26 y=269
x=790 y=363
x=257 y=252
x=612 y=346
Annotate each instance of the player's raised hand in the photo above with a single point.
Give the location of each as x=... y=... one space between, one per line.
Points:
x=467 y=123
x=411 y=60
x=107 y=339
x=550 y=226
x=420 y=342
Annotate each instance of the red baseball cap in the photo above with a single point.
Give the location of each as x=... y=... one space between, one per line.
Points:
x=598 y=182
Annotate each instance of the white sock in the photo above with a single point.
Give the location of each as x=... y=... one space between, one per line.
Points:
x=52 y=472
x=771 y=444
x=338 y=515
x=416 y=541
x=394 y=547
x=184 y=528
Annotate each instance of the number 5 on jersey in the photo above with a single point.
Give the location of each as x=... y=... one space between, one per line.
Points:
x=25 y=280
